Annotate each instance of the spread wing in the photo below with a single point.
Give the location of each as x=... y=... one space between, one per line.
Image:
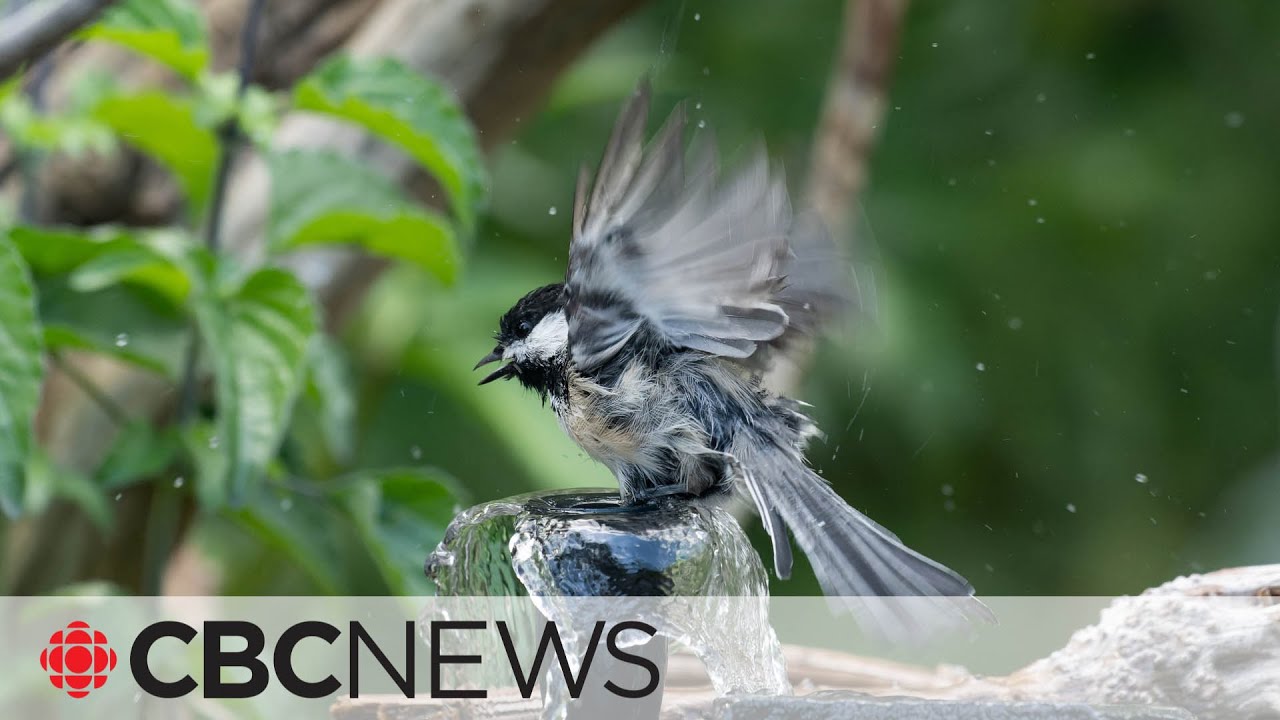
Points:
x=676 y=252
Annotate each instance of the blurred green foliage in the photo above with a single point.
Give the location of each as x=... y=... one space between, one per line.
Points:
x=1071 y=220
x=1068 y=385
x=129 y=293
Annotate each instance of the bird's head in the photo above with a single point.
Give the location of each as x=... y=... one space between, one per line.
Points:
x=533 y=337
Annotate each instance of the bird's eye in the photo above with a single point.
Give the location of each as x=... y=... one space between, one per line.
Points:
x=524 y=329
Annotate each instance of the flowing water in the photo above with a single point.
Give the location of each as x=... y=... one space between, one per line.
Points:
x=684 y=567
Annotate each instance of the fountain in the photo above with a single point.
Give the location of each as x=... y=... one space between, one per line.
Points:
x=577 y=556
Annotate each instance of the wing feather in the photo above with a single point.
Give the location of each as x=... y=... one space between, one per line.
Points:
x=698 y=262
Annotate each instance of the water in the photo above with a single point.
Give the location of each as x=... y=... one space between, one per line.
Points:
x=587 y=544
x=578 y=557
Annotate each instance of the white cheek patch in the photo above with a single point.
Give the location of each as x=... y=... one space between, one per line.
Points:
x=548 y=338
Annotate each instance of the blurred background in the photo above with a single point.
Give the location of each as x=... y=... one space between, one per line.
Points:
x=1068 y=382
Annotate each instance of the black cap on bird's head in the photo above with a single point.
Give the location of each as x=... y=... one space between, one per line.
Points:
x=515 y=327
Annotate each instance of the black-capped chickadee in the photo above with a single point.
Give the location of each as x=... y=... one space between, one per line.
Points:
x=681 y=290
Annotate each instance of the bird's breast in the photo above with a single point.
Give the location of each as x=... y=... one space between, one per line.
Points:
x=600 y=421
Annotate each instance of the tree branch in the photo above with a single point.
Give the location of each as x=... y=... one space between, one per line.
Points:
x=854 y=108
x=852 y=112
x=39 y=27
x=105 y=402
x=229 y=140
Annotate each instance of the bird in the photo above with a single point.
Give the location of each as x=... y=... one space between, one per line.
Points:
x=682 y=290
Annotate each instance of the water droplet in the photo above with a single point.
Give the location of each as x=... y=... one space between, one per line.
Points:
x=1015 y=323
x=213 y=442
x=1041 y=97
x=702 y=123
x=948 y=490
x=1071 y=507
x=415 y=452
x=178 y=481
x=989 y=132
x=981 y=367
x=1040 y=220
x=933 y=44
x=697 y=106
x=1032 y=202
x=951 y=182
x=1091 y=56
x=706 y=71
x=949 y=505
x=551 y=210
x=118 y=496
x=286 y=504
x=122 y=340
x=697 y=17
x=1233 y=120
x=1140 y=478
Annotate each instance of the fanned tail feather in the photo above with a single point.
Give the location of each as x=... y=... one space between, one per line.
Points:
x=893 y=591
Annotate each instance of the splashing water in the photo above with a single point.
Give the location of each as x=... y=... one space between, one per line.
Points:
x=684 y=567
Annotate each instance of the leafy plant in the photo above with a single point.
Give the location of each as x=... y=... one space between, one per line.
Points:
x=255 y=330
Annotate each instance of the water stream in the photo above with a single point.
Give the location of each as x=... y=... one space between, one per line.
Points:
x=686 y=568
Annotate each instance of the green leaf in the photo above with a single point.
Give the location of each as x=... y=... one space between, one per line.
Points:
x=299 y=526
x=401 y=515
x=65 y=337
x=219 y=100
x=330 y=392
x=56 y=251
x=212 y=465
x=72 y=133
x=97 y=259
x=127 y=261
x=166 y=128
x=21 y=374
x=409 y=110
x=257 y=340
x=11 y=87
x=140 y=451
x=319 y=198
x=46 y=481
x=169 y=31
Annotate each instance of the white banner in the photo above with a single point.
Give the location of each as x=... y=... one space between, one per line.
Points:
x=376 y=657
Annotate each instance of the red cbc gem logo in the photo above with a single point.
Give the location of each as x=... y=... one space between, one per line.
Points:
x=78 y=659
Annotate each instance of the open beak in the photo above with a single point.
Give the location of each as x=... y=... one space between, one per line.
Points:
x=506 y=371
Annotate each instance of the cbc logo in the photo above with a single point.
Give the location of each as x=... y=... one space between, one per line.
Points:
x=78 y=659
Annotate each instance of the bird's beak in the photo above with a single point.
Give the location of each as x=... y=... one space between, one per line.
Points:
x=506 y=371
x=494 y=356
